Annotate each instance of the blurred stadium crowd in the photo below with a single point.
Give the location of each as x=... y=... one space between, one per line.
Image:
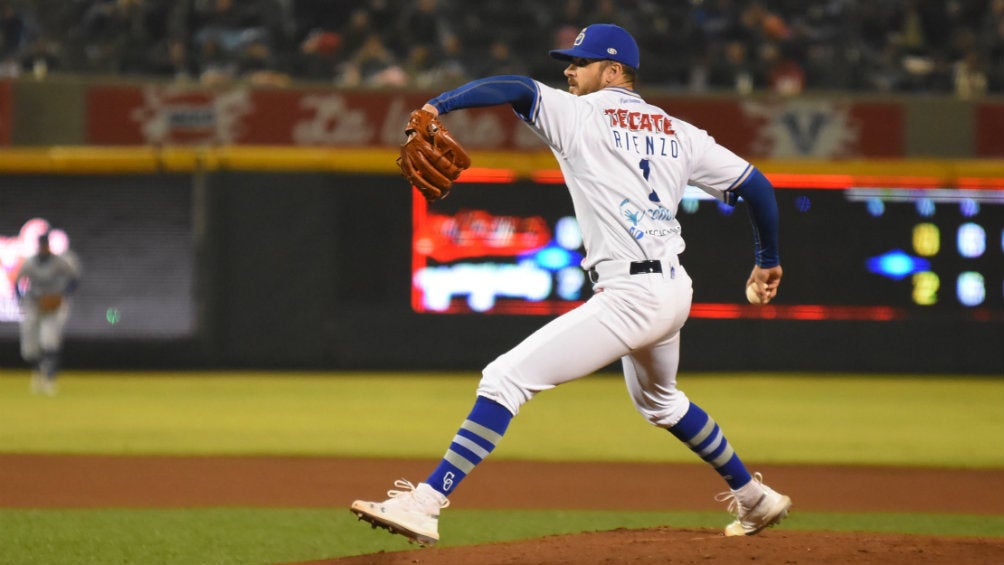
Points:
x=785 y=46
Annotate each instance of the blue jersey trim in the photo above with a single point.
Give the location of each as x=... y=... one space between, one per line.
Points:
x=741 y=178
x=534 y=113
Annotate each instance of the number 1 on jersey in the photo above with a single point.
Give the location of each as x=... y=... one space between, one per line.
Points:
x=646 y=170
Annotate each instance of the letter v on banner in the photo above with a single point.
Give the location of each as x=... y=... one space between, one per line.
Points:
x=805 y=135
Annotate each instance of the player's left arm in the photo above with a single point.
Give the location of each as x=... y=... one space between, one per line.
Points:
x=555 y=115
x=758 y=193
x=520 y=92
x=71 y=285
x=73 y=272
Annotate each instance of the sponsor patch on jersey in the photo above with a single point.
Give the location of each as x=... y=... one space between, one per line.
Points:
x=639 y=121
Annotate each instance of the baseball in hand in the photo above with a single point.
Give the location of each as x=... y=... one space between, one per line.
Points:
x=751 y=294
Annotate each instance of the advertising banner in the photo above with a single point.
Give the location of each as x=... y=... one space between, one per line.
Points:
x=184 y=115
x=989 y=124
x=6 y=111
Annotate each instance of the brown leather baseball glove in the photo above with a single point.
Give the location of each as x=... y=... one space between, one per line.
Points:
x=431 y=159
x=49 y=302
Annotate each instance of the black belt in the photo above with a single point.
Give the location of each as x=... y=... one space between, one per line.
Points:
x=635 y=268
x=645 y=267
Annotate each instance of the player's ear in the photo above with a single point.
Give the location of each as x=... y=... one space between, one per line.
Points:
x=612 y=71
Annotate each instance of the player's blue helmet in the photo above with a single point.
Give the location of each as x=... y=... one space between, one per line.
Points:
x=602 y=41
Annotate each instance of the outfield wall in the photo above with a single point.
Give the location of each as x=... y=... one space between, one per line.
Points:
x=68 y=110
x=302 y=258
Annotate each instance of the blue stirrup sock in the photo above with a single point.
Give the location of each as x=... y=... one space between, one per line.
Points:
x=706 y=439
x=476 y=438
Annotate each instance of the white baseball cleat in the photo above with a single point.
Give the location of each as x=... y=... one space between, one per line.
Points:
x=412 y=512
x=40 y=384
x=769 y=509
x=37 y=382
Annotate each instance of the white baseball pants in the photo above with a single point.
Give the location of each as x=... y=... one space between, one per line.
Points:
x=636 y=318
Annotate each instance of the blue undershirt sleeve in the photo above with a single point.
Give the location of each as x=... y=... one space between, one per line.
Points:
x=518 y=91
x=758 y=193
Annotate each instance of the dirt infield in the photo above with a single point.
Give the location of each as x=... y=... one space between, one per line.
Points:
x=172 y=482
x=703 y=547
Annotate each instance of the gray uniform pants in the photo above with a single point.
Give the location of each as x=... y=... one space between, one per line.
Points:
x=42 y=333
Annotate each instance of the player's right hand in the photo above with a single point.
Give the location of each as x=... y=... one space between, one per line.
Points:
x=766 y=281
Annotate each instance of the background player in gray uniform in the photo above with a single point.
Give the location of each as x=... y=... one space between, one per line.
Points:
x=43 y=283
x=626 y=164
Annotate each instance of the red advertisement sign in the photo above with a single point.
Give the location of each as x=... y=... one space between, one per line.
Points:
x=166 y=115
x=989 y=126
x=817 y=128
x=6 y=111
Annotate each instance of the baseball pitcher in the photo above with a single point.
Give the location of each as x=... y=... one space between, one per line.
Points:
x=626 y=164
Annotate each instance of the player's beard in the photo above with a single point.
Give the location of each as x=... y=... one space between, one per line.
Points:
x=586 y=81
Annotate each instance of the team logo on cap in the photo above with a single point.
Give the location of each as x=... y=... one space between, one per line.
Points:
x=579 y=38
x=611 y=50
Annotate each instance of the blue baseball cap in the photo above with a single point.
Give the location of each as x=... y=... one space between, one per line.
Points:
x=602 y=41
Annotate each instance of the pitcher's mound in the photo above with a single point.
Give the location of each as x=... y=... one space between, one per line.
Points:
x=703 y=547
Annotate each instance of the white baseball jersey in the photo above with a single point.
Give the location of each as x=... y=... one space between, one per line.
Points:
x=51 y=276
x=626 y=164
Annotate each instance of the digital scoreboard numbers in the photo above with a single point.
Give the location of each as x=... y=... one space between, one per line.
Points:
x=948 y=249
x=849 y=253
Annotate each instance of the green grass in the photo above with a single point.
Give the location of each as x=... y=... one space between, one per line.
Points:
x=789 y=418
x=243 y=536
x=947 y=421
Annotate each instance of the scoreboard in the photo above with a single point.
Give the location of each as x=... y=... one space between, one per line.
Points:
x=904 y=249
